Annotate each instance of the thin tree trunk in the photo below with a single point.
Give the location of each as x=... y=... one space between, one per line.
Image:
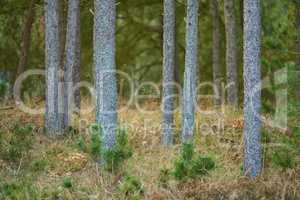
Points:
x=168 y=70
x=252 y=87
x=217 y=76
x=191 y=60
x=71 y=63
x=231 y=52
x=105 y=68
x=52 y=121
x=26 y=38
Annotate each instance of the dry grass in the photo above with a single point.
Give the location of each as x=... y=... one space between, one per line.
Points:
x=225 y=182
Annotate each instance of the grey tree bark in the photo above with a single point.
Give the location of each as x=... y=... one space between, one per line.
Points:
x=52 y=39
x=72 y=65
x=105 y=68
x=231 y=52
x=168 y=70
x=252 y=87
x=26 y=38
x=217 y=75
x=191 y=60
x=77 y=71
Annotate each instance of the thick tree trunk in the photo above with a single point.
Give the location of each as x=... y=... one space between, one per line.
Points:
x=77 y=71
x=252 y=87
x=191 y=60
x=52 y=119
x=231 y=52
x=105 y=68
x=168 y=70
x=26 y=38
x=217 y=76
x=71 y=62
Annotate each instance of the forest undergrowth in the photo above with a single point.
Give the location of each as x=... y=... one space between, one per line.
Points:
x=34 y=166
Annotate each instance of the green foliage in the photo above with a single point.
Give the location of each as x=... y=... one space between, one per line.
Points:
x=283 y=158
x=95 y=144
x=131 y=188
x=201 y=166
x=115 y=157
x=185 y=166
x=20 y=142
x=3 y=88
x=67 y=183
x=39 y=165
x=81 y=144
x=18 y=190
x=164 y=177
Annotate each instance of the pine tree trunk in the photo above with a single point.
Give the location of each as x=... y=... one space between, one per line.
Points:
x=77 y=71
x=168 y=70
x=231 y=52
x=252 y=87
x=26 y=39
x=217 y=76
x=71 y=62
x=191 y=60
x=105 y=68
x=52 y=119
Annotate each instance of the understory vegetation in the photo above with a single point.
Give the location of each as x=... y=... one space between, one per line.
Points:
x=34 y=166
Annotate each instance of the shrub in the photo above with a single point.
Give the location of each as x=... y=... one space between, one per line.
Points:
x=95 y=145
x=113 y=158
x=202 y=165
x=67 y=183
x=131 y=188
x=20 y=142
x=185 y=166
x=81 y=144
x=283 y=158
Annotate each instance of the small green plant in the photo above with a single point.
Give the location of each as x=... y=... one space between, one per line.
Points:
x=164 y=177
x=283 y=158
x=81 y=144
x=202 y=165
x=115 y=157
x=67 y=183
x=39 y=165
x=131 y=188
x=19 y=143
x=95 y=145
x=185 y=166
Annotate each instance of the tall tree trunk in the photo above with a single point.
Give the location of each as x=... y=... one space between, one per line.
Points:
x=63 y=32
x=105 y=68
x=231 y=52
x=71 y=62
x=52 y=119
x=77 y=71
x=252 y=87
x=26 y=38
x=216 y=52
x=191 y=60
x=168 y=69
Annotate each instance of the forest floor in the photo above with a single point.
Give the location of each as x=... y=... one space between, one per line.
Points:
x=45 y=168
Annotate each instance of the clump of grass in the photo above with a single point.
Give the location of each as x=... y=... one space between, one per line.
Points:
x=67 y=183
x=19 y=143
x=186 y=166
x=283 y=158
x=115 y=157
x=131 y=188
